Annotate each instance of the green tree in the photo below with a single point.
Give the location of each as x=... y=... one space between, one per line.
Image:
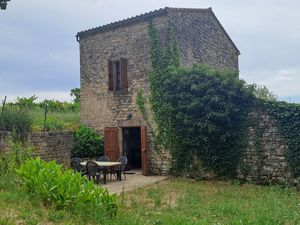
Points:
x=3 y=4
x=263 y=93
x=75 y=93
x=27 y=102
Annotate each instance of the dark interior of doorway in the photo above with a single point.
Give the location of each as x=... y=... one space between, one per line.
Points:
x=132 y=147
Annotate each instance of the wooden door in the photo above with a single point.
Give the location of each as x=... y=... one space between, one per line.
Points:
x=111 y=144
x=144 y=148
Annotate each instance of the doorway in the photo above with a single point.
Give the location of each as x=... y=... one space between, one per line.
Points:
x=132 y=147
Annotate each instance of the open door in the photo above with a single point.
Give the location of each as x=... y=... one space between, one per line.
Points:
x=111 y=145
x=144 y=147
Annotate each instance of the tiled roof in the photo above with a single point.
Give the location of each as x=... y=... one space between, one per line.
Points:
x=138 y=18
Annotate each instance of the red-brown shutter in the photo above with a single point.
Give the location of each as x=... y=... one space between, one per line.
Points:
x=124 y=80
x=110 y=76
x=144 y=147
x=111 y=145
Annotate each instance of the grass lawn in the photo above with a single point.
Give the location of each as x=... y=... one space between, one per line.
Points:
x=175 y=201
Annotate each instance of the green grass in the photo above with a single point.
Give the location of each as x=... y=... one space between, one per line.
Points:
x=175 y=201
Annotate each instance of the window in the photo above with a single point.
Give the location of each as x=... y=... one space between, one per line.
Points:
x=117 y=75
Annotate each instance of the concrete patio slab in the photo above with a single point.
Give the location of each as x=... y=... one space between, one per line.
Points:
x=134 y=179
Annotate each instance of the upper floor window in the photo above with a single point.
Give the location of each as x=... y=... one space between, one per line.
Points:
x=117 y=75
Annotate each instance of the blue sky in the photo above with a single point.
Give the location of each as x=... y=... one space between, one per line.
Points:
x=39 y=53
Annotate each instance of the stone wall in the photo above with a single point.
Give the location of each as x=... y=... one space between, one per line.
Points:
x=202 y=39
x=265 y=160
x=54 y=145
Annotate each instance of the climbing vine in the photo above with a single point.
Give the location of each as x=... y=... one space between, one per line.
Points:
x=288 y=117
x=200 y=113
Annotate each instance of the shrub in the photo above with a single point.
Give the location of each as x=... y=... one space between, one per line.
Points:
x=87 y=143
x=64 y=190
x=15 y=120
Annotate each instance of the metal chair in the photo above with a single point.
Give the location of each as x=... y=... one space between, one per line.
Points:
x=92 y=171
x=76 y=166
x=120 y=169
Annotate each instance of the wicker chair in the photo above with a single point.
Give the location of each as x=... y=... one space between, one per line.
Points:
x=120 y=169
x=92 y=171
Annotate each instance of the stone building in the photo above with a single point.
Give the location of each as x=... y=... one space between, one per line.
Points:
x=114 y=67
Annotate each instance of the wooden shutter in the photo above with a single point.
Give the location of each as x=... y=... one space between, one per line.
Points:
x=110 y=76
x=124 y=80
x=111 y=145
x=144 y=147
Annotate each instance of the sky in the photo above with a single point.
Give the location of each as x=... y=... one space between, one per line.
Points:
x=39 y=54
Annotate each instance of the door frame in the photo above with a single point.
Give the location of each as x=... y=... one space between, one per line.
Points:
x=128 y=124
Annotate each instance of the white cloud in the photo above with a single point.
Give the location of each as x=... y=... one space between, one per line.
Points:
x=283 y=82
x=42 y=95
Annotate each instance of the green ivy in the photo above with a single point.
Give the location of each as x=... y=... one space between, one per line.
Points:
x=288 y=117
x=200 y=113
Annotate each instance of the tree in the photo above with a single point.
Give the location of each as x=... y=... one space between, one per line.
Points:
x=262 y=92
x=3 y=4
x=75 y=93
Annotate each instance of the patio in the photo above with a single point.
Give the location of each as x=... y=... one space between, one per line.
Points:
x=134 y=179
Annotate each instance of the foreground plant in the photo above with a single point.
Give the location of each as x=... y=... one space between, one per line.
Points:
x=64 y=189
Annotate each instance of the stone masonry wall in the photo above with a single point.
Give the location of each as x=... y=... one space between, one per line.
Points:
x=55 y=145
x=102 y=108
x=265 y=161
x=202 y=39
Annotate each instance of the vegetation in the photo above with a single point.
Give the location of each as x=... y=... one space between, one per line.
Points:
x=3 y=4
x=64 y=190
x=27 y=114
x=16 y=120
x=34 y=186
x=262 y=92
x=201 y=113
x=175 y=201
x=87 y=143
x=288 y=117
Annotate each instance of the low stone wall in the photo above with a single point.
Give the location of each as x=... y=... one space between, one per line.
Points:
x=265 y=160
x=54 y=145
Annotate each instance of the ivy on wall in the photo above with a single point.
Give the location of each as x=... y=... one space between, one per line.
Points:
x=288 y=117
x=200 y=112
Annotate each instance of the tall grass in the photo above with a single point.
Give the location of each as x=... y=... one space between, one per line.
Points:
x=16 y=120
x=21 y=119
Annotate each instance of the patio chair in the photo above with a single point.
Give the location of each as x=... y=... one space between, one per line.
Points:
x=76 y=166
x=92 y=171
x=104 y=158
x=120 y=169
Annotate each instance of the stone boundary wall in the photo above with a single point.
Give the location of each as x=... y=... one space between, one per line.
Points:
x=54 y=145
x=265 y=160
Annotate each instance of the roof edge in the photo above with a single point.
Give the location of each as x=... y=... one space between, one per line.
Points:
x=134 y=19
x=229 y=38
x=128 y=21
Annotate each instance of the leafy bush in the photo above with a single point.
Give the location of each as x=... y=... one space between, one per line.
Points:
x=200 y=113
x=15 y=120
x=87 y=143
x=64 y=190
